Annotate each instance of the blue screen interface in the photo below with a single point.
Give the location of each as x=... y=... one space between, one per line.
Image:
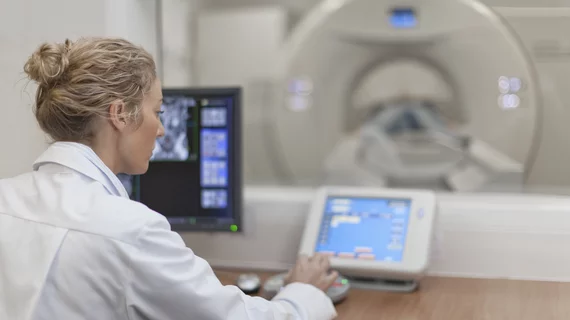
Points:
x=403 y=18
x=364 y=228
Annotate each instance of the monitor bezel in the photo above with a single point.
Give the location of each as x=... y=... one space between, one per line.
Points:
x=417 y=246
x=235 y=166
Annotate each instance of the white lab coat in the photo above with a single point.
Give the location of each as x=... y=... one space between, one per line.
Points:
x=73 y=246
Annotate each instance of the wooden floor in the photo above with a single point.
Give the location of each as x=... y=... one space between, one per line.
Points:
x=455 y=299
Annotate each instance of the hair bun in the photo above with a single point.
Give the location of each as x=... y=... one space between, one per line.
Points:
x=48 y=63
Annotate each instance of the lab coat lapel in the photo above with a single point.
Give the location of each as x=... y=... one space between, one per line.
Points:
x=82 y=159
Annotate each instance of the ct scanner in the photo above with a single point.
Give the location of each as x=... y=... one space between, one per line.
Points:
x=387 y=93
x=439 y=94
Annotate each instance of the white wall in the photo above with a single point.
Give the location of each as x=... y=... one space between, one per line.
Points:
x=230 y=54
x=134 y=20
x=24 y=25
x=178 y=37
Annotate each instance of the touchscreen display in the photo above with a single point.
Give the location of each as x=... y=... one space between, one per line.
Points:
x=364 y=228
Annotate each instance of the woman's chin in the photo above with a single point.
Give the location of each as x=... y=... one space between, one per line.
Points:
x=142 y=169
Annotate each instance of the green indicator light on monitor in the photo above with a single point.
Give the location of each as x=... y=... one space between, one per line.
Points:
x=234 y=228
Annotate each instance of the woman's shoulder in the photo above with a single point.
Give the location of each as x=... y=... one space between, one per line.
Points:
x=67 y=201
x=121 y=219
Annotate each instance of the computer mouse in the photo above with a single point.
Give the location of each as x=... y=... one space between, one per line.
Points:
x=249 y=283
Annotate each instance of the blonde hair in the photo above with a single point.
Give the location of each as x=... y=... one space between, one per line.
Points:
x=78 y=81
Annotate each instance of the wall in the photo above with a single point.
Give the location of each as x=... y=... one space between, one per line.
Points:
x=294 y=6
x=178 y=38
x=227 y=52
x=135 y=20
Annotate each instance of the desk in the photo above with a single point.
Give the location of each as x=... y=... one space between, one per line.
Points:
x=454 y=299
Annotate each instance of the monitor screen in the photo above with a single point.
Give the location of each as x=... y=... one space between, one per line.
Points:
x=194 y=174
x=403 y=18
x=364 y=228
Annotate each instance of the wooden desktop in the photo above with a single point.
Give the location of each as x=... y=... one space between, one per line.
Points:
x=453 y=299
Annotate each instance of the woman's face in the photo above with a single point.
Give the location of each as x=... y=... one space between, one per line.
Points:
x=137 y=146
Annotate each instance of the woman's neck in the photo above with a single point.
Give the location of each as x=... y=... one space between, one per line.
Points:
x=106 y=148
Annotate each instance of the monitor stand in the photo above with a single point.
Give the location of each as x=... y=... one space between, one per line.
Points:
x=388 y=285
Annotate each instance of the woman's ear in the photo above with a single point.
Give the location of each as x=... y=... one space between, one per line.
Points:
x=118 y=115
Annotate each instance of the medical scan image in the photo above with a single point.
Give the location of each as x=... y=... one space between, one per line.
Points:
x=173 y=146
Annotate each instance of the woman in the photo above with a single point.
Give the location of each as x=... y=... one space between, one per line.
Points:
x=73 y=246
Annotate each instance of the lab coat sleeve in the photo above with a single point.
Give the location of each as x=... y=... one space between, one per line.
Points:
x=168 y=282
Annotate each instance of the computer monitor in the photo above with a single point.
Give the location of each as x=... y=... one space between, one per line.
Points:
x=194 y=177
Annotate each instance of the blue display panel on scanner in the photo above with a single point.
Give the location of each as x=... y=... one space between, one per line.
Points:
x=403 y=18
x=363 y=228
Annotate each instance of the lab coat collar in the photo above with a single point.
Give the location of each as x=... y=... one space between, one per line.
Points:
x=82 y=159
